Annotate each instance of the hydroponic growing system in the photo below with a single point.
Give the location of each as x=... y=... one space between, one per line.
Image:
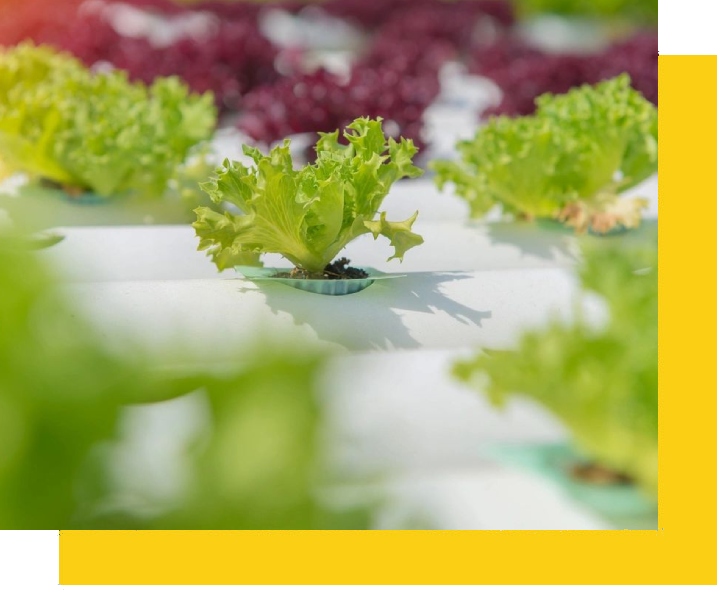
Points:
x=331 y=264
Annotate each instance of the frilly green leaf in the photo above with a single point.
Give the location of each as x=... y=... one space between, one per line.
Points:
x=308 y=215
x=399 y=233
x=95 y=130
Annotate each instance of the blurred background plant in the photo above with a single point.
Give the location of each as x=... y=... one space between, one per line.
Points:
x=279 y=69
x=570 y=161
x=252 y=60
x=85 y=132
x=601 y=382
x=641 y=11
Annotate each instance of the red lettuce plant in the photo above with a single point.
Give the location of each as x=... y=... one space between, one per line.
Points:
x=229 y=60
x=323 y=101
x=396 y=78
x=458 y=23
x=232 y=61
x=429 y=19
x=524 y=73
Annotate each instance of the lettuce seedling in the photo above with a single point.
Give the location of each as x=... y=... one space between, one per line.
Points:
x=94 y=131
x=600 y=382
x=569 y=161
x=308 y=215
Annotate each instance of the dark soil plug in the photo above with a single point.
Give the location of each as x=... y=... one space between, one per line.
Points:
x=73 y=191
x=341 y=269
x=592 y=473
x=337 y=270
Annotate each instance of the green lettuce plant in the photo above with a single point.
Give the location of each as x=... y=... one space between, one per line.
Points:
x=94 y=131
x=308 y=215
x=570 y=161
x=600 y=382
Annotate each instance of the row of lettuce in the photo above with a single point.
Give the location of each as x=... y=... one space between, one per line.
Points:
x=82 y=132
x=394 y=51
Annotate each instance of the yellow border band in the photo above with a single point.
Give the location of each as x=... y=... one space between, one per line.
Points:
x=680 y=552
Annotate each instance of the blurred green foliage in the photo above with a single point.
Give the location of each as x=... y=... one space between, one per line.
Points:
x=261 y=466
x=600 y=382
x=639 y=11
x=60 y=393
x=63 y=389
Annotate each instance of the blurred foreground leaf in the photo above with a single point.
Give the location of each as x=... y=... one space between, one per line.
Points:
x=60 y=394
x=63 y=390
x=601 y=382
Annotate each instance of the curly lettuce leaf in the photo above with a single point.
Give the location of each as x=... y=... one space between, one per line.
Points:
x=601 y=383
x=585 y=146
x=611 y=135
x=95 y=131
x=308 y=215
